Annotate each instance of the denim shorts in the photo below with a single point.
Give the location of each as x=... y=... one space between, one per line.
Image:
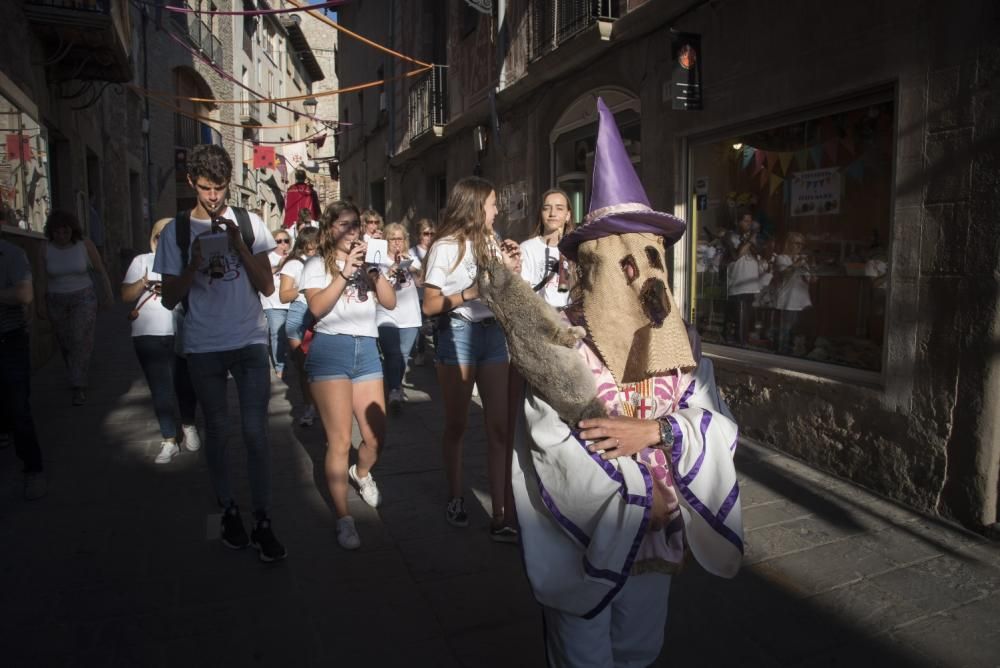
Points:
x=343 y=357
x=299 y=320
x=466 y=343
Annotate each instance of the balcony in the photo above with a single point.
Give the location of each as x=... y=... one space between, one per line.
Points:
x=88 y=40
x=556 y=22
x=189 y=132
x=429 y=105
x=198 y=32
x=250 y=113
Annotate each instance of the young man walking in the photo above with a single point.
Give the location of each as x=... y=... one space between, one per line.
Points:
x=214 y=259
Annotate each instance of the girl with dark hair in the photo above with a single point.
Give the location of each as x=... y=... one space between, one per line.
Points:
x=345 y=372
x=66 y=295
x=299 y=318
x=471 y=346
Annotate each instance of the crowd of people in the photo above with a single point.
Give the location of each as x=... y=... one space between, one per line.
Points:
x=604 y=508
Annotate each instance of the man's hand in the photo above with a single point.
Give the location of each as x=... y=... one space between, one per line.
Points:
x=619 y=436
x=235 y=237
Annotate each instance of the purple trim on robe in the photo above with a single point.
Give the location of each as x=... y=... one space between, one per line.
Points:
x=607 y=466
x=728 y=504
x=575 y=531
x=636 y=542
x=706 y=419
x=675 y=429
x=687 y=395
x=712 y=520
x=602 y=573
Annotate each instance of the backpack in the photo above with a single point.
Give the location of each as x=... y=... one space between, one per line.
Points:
x=182 y=233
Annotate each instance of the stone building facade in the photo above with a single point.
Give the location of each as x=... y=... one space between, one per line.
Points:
x=867 y=142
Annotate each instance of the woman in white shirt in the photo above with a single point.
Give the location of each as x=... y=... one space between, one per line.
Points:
x=742 y=280
x=345 y=372
x=275 y=310
x=398 y=327
x=299 y=319
x=471 y=347
x=540 y=257
x=153 y=333
x=792 y=269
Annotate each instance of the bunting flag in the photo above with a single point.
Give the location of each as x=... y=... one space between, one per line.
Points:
x=764 y=177
x=748 y=152
x=758 y=160
x=816 y=153
x=18 y=147
x=786 y=192
x=281 y=166
x=848 y=143
x=786 y=159
x=802 y=158
x=776 y=182
x=856 y=170
x=830 y=148
x=772 y=160
x=263 y=157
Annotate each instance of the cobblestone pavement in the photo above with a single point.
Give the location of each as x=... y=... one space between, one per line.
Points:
x=120 y=564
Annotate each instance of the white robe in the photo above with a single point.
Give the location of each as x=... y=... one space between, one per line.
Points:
x=582 y=519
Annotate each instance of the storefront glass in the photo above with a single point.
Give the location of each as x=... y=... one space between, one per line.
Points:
x=790 y=231
x=24 y=177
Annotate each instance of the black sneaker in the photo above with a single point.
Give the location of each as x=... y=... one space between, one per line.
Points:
x=267 y=546
x=455 y=512
x=234 y=535
x=503 y=534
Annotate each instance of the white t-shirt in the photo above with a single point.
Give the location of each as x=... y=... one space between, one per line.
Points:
x=407 y=311
x=793 y=293
x=293 y=230
x=348 y=315
x=743 y=273
x=293 y=268
x=536 y=258
x=440 y=274
x=224 y=313
x=274 y=301
x=154 y=319
x=418 y=253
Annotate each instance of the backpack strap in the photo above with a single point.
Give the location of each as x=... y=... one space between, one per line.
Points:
x=182 y=233
x=246 y=227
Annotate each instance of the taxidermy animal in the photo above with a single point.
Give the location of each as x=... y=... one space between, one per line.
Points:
x=542 y=347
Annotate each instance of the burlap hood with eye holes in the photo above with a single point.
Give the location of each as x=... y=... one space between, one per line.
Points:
x=630 y=313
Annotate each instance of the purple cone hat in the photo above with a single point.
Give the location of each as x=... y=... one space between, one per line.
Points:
x=618 y=203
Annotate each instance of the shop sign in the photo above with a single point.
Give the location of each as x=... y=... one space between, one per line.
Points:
x=815 y=192
x=685 y=85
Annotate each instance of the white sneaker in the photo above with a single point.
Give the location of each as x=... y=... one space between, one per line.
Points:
x=191 y=439
x=347 y=534
x=168 y=450
x=475 y=390
x=396 y=396
x=367 y=487
x=404 y=395
x=308 y=416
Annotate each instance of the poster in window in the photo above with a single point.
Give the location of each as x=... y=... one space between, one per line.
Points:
x=685 y=85
x=815 y=192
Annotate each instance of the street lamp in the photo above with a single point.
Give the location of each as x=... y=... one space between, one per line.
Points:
x=310 y=104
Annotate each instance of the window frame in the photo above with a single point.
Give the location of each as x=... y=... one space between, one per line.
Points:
x=685 y=208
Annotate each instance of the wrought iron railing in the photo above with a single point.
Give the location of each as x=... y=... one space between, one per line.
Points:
x=429 y=102
x=558 y=21
x=189 y=132
x=99 y=6
x=198 y=32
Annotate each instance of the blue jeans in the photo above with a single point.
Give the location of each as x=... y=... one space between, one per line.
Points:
x=167 y=376
x=279 y=342
x=465 y=343
x=396 y=343
x=249 y=367
x=15 y=395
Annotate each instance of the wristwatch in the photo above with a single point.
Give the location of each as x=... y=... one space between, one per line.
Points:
x=666 y=435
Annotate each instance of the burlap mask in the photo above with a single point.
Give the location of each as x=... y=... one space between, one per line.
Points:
x=631 y=316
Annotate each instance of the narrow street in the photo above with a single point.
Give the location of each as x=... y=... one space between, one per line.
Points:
x=120 y=564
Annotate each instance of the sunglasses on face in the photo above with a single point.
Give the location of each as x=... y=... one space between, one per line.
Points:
x=427 y=233
x=283 y=241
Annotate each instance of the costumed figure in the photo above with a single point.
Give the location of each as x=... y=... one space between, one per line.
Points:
x=609 y=504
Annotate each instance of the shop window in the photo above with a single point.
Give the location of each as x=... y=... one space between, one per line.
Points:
x=24 y=177
x=790 y=228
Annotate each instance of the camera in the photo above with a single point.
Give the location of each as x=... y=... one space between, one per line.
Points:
x=215 y=246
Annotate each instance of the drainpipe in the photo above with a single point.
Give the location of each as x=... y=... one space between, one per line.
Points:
x=145 y=125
